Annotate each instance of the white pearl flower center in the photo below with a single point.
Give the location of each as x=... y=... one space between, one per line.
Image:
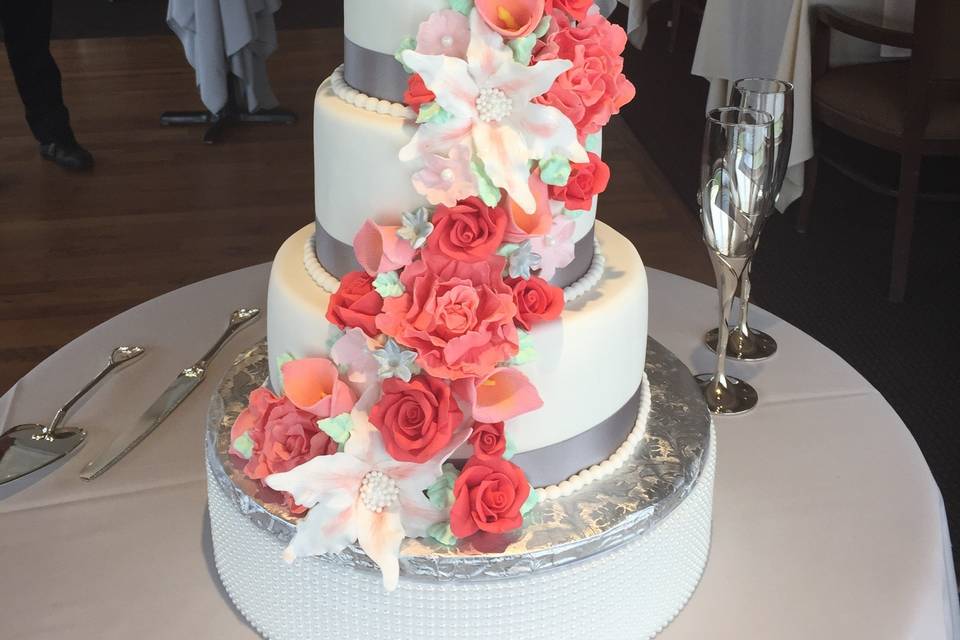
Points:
x=493 y=105
x=378 y=491
x=446 y=41
x=447 y=175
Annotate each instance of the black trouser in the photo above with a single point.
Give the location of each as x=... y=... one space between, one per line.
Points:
x=26 y=32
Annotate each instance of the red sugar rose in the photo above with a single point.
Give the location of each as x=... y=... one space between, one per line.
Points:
x=488 y=495
x=537 y=300
x=416 y=418
x=595 y=87
x=587 y=179
x=470 y=231
x=356 y=303
x=488 y=440
x=417 y=93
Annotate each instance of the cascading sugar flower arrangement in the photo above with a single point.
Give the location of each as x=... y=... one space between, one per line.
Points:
x=423 y=366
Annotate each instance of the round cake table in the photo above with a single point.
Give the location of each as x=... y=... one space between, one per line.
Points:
x=827 y=522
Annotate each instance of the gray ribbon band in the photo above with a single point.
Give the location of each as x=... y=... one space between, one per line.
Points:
x=554 y=464
x=373 y=73
x=338 y=258
x=582 y=259
x=335 y=256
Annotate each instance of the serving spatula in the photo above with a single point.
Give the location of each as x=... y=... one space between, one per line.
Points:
x=30 y=447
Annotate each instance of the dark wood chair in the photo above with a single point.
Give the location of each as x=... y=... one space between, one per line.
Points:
x=696 y=7
x=910 y=107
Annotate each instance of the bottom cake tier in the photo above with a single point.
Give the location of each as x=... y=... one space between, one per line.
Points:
x=615 y=557
x=631 y=591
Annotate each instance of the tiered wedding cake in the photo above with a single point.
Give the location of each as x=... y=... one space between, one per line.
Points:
x=456 y=342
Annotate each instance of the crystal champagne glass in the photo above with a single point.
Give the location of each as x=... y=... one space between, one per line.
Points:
x=776 y=98
x=736 y=176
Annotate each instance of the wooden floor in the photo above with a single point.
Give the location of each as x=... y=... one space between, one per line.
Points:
x=162 y=210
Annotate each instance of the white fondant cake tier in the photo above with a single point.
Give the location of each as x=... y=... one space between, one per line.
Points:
x=357 y=173
x=631 y=591
x=589 y=363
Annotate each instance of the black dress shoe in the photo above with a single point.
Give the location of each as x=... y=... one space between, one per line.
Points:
x=69 y=156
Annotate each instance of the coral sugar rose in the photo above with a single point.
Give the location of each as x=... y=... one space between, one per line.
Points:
x=470 y=231
x=458 y=316
x=282 y=437
x=416 y=418
x=355 y=303
x=576 y=9
x=595 y=87
x=536 y=300
x=587 y=179
x=488 y=495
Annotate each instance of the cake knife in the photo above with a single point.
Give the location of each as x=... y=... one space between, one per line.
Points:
x=188 y=380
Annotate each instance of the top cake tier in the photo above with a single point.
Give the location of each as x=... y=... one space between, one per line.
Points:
x=373 y=31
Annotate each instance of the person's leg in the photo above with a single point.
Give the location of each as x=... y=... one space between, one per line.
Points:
x=26 y=29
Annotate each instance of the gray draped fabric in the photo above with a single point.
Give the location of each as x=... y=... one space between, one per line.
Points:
x=223 y=37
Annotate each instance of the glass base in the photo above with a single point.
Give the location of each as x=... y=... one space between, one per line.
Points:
x=750 y=348
x=736 y=398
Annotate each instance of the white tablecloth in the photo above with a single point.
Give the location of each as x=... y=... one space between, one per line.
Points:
x=771 y=38
x=827 y=522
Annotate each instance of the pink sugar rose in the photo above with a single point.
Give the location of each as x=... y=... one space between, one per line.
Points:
x=458 y=316
x=282 y=437
x=444 y=33
x=595 y=88
x=252 y=419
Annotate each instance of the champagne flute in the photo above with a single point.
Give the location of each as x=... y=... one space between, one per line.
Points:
x=736 y=176
x=776 y=98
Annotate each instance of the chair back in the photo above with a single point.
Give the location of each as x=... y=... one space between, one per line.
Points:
x=934 y=62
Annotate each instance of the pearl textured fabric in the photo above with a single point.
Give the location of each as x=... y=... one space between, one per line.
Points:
x=826 y=521
x=632 y=591
x=779 y=46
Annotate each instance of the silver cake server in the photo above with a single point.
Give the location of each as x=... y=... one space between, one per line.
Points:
x=30 y=447
x=188 y=380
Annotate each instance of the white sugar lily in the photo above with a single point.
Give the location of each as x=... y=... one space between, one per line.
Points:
x=488 y=101
x=363 y=495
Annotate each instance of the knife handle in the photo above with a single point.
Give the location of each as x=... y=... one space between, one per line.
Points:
x=238 y=320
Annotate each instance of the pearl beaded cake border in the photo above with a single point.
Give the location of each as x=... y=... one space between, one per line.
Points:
x=590 y=279
x=615 y=461
x=368 y=103
x=323 y=279
x=320 y=276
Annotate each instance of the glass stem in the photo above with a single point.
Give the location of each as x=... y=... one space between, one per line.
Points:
x=744 y=328
x=728 y=278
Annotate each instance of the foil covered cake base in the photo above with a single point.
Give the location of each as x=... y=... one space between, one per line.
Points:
x=617 y=558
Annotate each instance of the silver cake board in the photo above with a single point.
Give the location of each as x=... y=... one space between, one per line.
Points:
x=605 y=514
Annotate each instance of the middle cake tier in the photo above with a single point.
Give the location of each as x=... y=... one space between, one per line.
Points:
x=587 y=365
x=358 y=175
